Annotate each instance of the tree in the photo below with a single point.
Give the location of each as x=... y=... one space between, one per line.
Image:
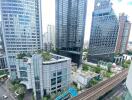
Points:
x=21 y=55
x=125 y=65
x=107 y=74
x=85 y=67
x=46 y=56
x=21 y=89
x=97 y=69
x=109 y=66
x=2 y=72
x=92 y=82
x=128 y=62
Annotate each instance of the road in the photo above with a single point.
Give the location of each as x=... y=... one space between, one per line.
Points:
x=5 y=91
x=28 y=95
x=100 y=89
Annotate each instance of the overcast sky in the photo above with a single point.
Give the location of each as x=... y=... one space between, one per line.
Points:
x=48 y=13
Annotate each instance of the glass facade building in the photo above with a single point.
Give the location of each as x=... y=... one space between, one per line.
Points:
x=70 y=27
x=3 y=62
x=21 y=27
x=104 y=32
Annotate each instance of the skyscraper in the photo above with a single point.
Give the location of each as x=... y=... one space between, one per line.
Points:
x=70 y=27
x=104 y=32
x=49 y=38
x=123 y=33
x=21 y=27
x=3 y=62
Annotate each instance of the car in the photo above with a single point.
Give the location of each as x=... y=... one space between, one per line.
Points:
x=5 y=97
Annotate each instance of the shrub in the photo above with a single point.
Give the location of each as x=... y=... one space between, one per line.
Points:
x=21 y=55
x=97 y=69
x=85 y=67
x=46 y=56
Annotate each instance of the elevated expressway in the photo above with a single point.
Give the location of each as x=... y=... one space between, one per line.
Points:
x=100 y=89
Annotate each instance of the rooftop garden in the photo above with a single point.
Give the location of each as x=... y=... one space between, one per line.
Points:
x=85 y=67
x=22 y=55
x=126 y=64
x=46 y=56
x=96 y=69
x=99 y=70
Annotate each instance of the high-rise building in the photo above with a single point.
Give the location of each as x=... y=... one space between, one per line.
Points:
x=44 y=76
x=123 y=34
x=3 y=62
x=104 y=32
x=21 y=27
x=70 y=27
x=49 y=38
x=51 y=34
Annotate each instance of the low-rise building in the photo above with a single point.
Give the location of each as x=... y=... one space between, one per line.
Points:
x=44 y=75
x=82 y=78
x=119 y=59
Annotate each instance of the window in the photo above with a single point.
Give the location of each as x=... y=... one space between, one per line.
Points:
x=58 y=86
x=59 y=79
x=53 y=88
x=54 y=74
x=59 y=73
x=37 y=84
x=53 y=81
x=23 y=74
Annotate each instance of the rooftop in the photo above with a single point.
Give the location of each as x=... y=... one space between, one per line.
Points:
x=88 y=74
x=47 y=57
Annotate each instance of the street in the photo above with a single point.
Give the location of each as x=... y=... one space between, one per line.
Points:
x=5 y=91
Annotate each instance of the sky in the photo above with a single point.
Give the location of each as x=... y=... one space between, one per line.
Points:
x=48 y=13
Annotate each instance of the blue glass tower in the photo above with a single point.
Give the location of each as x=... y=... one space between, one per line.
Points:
x=70 y=27
x=104 y=32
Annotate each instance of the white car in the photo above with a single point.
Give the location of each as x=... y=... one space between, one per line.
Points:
x=5 y=97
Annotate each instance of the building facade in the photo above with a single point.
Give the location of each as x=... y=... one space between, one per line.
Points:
x=104 y=32
x=44 y=77
x=21 y=27
x=70 y=27
x=123 y=34
x=49 y=41
x=3 y=62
